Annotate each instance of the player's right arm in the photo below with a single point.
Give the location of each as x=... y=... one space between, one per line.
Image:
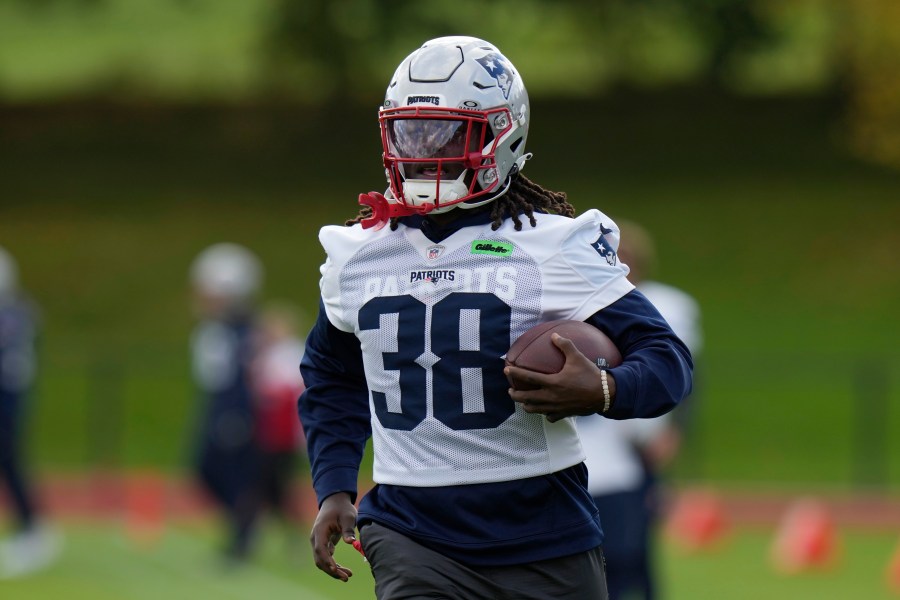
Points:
x=334 y=410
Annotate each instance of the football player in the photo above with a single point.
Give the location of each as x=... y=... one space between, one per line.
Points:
x=480 y=490
x=225 y=279
x=34 y=544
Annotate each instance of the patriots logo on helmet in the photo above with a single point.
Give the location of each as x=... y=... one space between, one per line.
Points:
x=500 y=70
x=603 y=247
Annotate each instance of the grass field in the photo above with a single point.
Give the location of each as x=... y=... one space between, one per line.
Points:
x=101 y=563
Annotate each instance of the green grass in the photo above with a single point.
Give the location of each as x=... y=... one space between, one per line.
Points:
x=742 y=570
x=100 y=562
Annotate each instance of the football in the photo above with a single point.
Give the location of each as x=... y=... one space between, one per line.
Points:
x=534 y=350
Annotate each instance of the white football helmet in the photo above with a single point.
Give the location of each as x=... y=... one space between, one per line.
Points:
x=453 y=126
x=228 y=271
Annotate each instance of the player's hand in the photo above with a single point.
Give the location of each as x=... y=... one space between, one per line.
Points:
x=336 y=520
x=576 y=390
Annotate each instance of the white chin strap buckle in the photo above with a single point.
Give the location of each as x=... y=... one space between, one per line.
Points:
x=420 y=192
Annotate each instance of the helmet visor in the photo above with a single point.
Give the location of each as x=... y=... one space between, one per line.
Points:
x=433 y=160
x=427 y=138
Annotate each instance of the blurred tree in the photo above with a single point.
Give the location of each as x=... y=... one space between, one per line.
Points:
x=572 y=46
x=803 y=51
x=648 y=43
x=730 y=28
x=872 y=40
x=331 y=49
x=338 y=51
x=312 y=50
x=747 y=46
x=41 y=4
x=311 y=42
x=342 y=49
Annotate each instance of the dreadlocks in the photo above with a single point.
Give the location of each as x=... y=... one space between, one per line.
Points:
x=524 y=197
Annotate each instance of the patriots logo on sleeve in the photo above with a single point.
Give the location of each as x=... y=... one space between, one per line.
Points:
x=603 y=247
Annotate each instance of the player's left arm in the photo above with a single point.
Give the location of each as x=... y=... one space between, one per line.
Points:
x=657 y=366
x=656 y=370
x=655 y=374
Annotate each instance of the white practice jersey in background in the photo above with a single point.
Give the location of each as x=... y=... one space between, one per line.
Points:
x=613 y=464
x=435 y=321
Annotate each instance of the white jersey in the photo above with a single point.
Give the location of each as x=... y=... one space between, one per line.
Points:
x=613 y=465
x=434 y=323
x=679 y=309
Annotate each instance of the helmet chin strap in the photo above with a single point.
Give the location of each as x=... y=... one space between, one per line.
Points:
x=470 y=205
x=383 y=210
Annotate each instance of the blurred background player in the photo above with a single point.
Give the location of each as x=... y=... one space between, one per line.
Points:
x=277 y=384
x=226 y=279
x=625 y=458
x=33 y=545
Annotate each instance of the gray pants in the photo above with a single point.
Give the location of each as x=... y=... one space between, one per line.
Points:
x=406 y=570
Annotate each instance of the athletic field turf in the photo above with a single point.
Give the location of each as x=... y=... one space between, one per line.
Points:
x=100 y=562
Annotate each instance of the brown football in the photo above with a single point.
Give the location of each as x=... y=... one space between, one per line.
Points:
x=534 y=350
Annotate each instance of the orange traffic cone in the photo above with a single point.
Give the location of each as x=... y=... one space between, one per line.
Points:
x=145 y=508
x=892 y=573
x=806 y=538
x=697 y=521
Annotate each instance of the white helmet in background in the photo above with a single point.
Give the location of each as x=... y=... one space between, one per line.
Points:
x=453 y=125
x=227 y=271
x=9 y=274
